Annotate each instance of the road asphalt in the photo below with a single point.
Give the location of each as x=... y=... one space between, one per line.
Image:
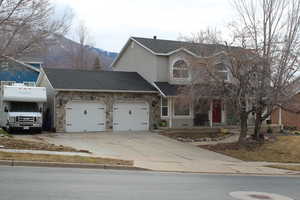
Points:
x=35 y=183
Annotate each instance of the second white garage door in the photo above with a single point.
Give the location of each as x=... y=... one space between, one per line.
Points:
x=131 y=117
x=85 y=117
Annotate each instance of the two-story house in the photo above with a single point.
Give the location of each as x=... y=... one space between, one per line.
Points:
x=167 y=65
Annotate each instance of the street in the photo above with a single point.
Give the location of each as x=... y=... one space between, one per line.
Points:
x=33 y=183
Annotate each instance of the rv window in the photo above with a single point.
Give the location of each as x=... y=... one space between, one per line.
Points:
x=24 y=107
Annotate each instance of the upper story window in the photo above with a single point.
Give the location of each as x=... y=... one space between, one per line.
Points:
x=222 y=71
x=180 y=70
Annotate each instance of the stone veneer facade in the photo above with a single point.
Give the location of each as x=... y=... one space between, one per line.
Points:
x=108 y=98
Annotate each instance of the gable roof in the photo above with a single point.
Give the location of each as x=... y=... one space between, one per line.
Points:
x=70 y=79
x=168 y=47
x=159 y=46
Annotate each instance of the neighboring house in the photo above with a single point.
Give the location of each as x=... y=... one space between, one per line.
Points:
x=16 y=71
x=166 y=65
x=288 y=115
x=88 y=101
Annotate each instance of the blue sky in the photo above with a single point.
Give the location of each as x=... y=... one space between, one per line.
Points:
x=112 y=22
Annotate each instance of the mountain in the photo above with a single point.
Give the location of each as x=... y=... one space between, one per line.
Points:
x=106 y=56
x=61 y=52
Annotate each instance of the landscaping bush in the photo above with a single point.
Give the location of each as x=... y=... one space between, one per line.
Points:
x=163 y=123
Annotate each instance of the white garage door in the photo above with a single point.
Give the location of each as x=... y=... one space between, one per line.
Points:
x=131 y=117
x=85 y=117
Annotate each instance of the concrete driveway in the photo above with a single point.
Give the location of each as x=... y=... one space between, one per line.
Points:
x=152 y=151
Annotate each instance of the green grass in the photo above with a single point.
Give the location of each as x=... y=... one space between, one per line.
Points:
x=3 y=132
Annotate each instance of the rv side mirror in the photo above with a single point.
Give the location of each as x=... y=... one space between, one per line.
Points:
x=41 y=110
x=5 y=109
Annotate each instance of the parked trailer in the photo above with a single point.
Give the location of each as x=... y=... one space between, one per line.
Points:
x=21 y=107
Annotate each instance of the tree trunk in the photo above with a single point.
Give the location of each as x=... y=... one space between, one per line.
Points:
x=257 y=128
x=244 y=128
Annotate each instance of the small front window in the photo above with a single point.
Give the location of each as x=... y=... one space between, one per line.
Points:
x=180 y=70
x=181 y=108
x=164 y=107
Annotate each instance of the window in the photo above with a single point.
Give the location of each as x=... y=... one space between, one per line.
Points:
x=222 y=71
x=180 y=70
x=164 y=107
x=181 y=108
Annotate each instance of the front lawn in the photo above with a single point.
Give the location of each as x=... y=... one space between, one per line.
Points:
x=62 y=159
x=285 y=149
x=13 y=143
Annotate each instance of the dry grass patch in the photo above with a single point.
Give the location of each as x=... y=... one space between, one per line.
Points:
x=288 y=167
x=12 y=143
x=195 y=134
x=285 y=149
x=62 y=158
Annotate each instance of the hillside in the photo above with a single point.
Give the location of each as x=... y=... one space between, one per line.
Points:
x=61 y=52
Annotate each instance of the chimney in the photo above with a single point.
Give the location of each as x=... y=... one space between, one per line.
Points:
x=154 y=37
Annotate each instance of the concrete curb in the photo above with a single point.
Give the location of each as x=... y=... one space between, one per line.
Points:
x=68 y=165
x=229 y=173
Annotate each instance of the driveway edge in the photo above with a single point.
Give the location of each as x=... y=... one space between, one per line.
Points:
x=68 y=165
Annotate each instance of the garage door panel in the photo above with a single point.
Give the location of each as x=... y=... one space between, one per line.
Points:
x=131 y=116
x=85 y=117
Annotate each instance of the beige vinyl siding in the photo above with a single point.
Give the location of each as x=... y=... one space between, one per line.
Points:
x=137 y=59
x=162 y=64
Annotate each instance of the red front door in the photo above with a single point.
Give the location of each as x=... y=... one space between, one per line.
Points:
x=216 y=111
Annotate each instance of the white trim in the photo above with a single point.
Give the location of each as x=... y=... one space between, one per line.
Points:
x=181 y=49
x=164 y=54
x=159 y=90
x=161 y=106
x=88 y=90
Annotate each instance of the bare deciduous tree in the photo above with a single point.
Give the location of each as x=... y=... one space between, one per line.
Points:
x=207 y=36
x=271 y=28
x=26 y=24
x=80 y=54
x=264 y=66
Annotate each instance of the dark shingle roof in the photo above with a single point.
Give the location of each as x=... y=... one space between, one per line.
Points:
x=168 y=89
x=167 y=46
x=97 y=80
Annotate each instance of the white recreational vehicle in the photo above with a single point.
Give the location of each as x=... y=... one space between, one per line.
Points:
x=21 y=107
